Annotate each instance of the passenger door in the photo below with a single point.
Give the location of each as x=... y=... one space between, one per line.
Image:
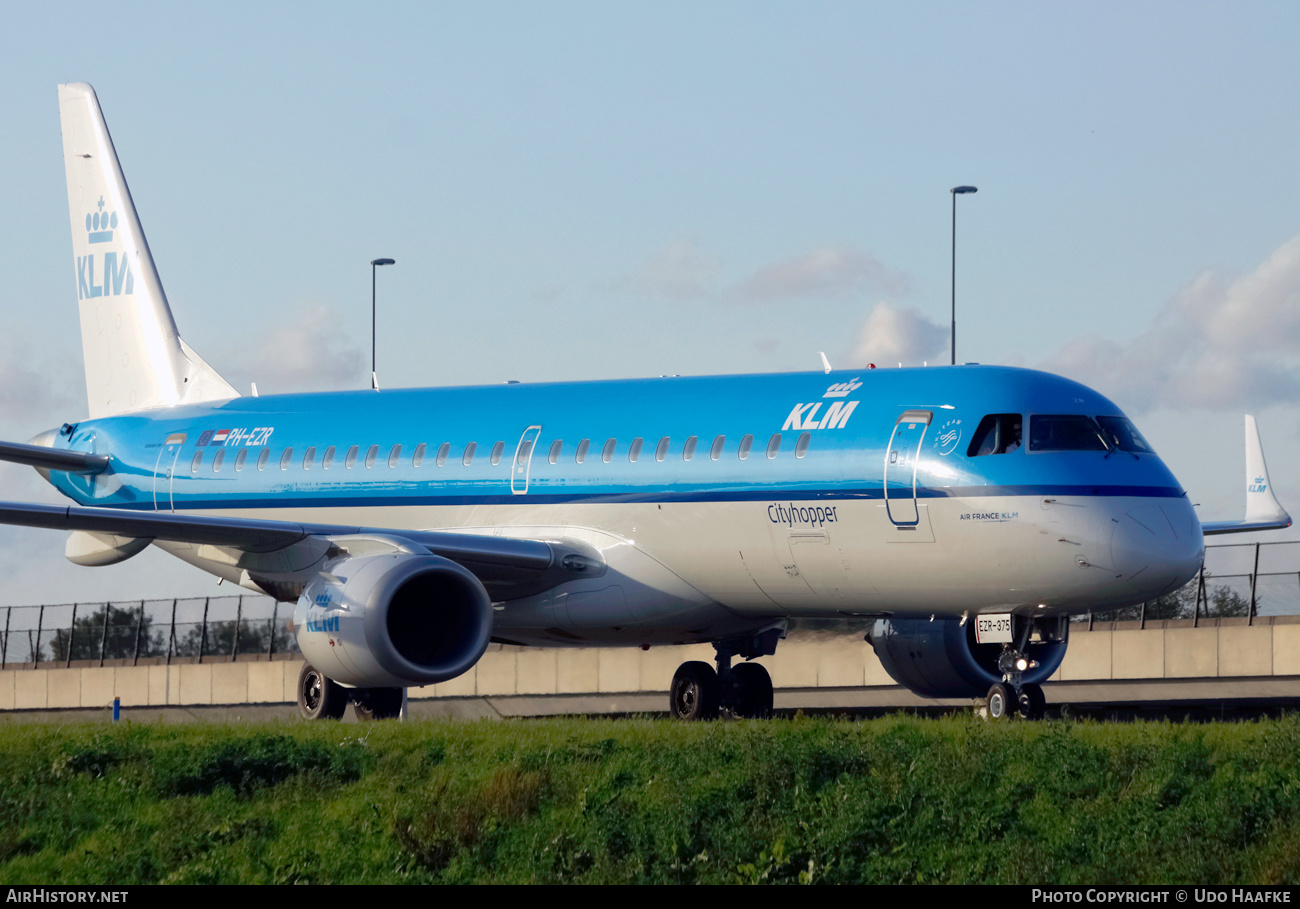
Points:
x=900 y=466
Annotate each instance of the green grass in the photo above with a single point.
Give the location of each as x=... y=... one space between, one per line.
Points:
x=893 y=800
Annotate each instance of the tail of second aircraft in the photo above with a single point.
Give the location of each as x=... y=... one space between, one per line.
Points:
x=134 y=357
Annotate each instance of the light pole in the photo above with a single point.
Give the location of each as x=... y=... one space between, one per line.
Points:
x=374 y=379
x=956 y=191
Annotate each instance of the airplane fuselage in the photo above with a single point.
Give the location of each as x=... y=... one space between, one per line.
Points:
x=858 y=493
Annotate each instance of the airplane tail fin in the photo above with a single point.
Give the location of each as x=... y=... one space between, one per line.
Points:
x=1263 y=510
x=134 y=357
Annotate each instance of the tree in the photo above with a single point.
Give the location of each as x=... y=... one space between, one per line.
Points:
x=89 y=637
x=219 y=640
x=1220 y=601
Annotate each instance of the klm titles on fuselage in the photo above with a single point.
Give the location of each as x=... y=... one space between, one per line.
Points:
x=810 y=416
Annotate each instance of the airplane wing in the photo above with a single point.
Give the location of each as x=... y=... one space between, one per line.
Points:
x=507 y=567
x=1263 y=510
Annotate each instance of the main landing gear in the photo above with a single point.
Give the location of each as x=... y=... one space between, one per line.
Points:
x=701 y=692
x=321 y=698
x=1010 y=697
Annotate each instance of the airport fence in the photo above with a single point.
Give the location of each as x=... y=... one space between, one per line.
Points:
x=137 y=632
x=1238 y=579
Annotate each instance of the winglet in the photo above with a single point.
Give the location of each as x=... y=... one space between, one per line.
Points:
x=1263 y=510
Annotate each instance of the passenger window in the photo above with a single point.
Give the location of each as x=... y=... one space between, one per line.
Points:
x=468 y=459
x=286 y=458
x=1065 y=432
x=240 y=459
x=998 y=433
x=746 y=444
x=328 y=461
x=773 y=445
x=801 y=447
x=661 y=451
x=634 y=450
x=309 y=458
x=497 y=450
x=218 y=459
x=372 y=454
x=608 y=454
x=688 y=450
x=394 y=455
x=556 y=447
x=351 y=458
x=583 y=447
x=263 y=458
x=196 y=461
x=443 y=450
x=716 y=451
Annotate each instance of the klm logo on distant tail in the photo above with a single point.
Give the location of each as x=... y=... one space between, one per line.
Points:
x=116 y=278
x=1259 y=485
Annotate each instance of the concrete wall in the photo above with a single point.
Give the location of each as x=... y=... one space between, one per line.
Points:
x=1218 y=649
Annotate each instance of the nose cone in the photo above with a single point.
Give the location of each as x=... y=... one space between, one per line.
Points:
x=1156 y=545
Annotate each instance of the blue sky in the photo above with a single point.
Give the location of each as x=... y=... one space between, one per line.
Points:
x=584 y=190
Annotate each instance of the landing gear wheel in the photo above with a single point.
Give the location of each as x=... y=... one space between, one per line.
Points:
x=319 y=698
x=694 y=695
x=1031 y=702
x=998 y=701
x=377 y=703
x=754 y=686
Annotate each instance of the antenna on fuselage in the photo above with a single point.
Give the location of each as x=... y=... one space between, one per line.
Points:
x=826 y=364
x=374 y=379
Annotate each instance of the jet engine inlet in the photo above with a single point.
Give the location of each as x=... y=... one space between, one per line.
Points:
x=393 y=620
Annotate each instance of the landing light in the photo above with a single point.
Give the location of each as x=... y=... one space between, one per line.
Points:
x=1022 y=664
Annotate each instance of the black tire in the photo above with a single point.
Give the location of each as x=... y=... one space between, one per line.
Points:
x=377 y=703
x=999 y=702
x=1031 y=702
x=754 y=686
x=694 y=695
x=319 y=698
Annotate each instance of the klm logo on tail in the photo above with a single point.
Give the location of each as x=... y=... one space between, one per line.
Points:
x=116 y=278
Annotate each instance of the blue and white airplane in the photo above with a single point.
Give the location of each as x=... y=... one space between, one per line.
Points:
x=968 y=511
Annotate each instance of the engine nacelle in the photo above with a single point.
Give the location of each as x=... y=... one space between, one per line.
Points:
x=394 y=619
x=940 y=659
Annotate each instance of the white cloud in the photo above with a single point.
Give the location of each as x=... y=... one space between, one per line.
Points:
x=680 y=271
x=894 y=335
x=685 y=271
x=308 y=352
x=37 y=391
x=1217 y=344
x=826 y=273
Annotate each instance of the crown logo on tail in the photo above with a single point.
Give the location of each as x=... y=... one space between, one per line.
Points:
x=101 y=224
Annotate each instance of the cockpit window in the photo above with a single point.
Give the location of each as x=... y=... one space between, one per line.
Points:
x=1065 y=432
x=998 y=433
x=1122 y=434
